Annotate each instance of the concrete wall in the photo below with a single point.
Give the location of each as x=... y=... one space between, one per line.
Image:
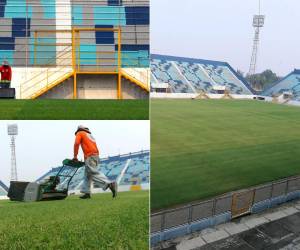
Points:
x=96 y=87
x=61 y=91
x=193 y=95
x=132 y=91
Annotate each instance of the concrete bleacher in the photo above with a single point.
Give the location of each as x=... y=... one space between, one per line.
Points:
x=187 y=75
x=127 y=170
x=289 y=84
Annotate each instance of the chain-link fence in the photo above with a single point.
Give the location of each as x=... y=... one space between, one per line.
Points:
x=236 y=204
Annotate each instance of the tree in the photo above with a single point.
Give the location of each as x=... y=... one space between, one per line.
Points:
x=262 y=80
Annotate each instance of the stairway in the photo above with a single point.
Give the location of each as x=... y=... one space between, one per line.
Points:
x=49 y=77
x=138 y=76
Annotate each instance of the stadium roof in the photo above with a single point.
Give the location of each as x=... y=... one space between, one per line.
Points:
x=187 y=59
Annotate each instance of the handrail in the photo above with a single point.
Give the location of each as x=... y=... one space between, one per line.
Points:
x=50 y=60
x=45 y=75
x=142 y=76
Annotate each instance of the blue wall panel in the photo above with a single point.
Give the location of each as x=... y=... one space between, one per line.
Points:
x=87 y=54
x=49 y=8
x=7 y=55
x=105 y=37
x=77 y=16
x=137 y=15
x=114 y=2
x=109 y=15
x=19 y=27
x=7 y=43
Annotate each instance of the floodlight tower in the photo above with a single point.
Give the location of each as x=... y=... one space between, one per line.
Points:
x=258 y=23
x=12 y=131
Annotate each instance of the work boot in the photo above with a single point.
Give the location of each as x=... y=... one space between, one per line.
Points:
x=85 y=196
x=114 y=189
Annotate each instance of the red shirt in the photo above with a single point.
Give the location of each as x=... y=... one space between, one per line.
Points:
x=5 y=72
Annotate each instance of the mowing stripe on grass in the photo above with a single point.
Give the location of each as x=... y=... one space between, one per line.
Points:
x=203 y=148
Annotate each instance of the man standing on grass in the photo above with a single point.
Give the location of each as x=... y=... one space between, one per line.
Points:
x=88 y=144
x=5 y=71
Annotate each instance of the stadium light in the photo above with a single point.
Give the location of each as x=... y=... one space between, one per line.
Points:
x=12 y=131
x=258 y=23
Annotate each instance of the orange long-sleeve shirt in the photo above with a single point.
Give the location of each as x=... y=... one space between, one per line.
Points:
x=87 y=143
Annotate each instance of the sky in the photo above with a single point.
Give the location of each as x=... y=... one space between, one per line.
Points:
x=222 y=30
x=41 y=145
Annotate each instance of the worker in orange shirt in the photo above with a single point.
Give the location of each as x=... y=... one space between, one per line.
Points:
x=6 y=73
x=89 y=147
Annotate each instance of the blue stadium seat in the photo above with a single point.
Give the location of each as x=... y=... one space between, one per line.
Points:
x=290 y=83
x=186 y=75
x=138 y=170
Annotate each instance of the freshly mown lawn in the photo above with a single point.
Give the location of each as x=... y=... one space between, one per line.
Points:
x=203 y=148
x=74 y=109
x=98 y=223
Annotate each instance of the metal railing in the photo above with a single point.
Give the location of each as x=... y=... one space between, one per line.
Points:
x=236 y=203
x=47 y=77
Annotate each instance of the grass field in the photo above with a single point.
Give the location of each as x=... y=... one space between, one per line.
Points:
x=203 y=148
x=99 y=223
x=74 y=110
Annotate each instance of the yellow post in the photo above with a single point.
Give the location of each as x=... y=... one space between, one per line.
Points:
x=78 y=46
x=119 y=65
x=73 y=50
x=35 y=42
x=75 y=86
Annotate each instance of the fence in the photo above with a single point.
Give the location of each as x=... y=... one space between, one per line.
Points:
x=194 y=217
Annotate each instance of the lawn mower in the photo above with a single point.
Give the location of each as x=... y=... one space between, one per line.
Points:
x=52 y=188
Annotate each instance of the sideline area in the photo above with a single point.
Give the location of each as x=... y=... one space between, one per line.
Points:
x=278 y=228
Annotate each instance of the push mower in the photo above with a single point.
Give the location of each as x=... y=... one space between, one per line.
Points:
x=53 y=188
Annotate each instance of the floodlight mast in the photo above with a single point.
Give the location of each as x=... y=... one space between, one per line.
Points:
x=258 y=23
x=12 y=131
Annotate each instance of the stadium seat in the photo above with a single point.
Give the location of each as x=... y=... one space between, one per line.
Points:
x=290 y=83
x=137 y=170
x=186 y=75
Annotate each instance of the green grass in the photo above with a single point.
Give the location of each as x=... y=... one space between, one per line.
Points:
x=74 y=110
x=203 y=148
x=99 y=223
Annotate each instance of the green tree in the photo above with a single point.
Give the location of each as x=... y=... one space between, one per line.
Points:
x=262 y=80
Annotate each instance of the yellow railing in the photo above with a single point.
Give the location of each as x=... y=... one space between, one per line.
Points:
x=45 y=78
x=141 y=76
x=69 y=60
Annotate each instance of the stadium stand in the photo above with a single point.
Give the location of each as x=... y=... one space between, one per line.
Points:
x=56 y=35
x=3 y=189
x=20 y=20
x=187 y=75
x=128 y=170
x=289 y=85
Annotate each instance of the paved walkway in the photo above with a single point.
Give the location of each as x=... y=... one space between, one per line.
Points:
x=278 y=228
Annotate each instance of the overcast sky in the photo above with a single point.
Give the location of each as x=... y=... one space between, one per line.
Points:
x=222 y=30
x=42 y=145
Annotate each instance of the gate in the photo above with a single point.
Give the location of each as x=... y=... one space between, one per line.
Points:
x=241 y=203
